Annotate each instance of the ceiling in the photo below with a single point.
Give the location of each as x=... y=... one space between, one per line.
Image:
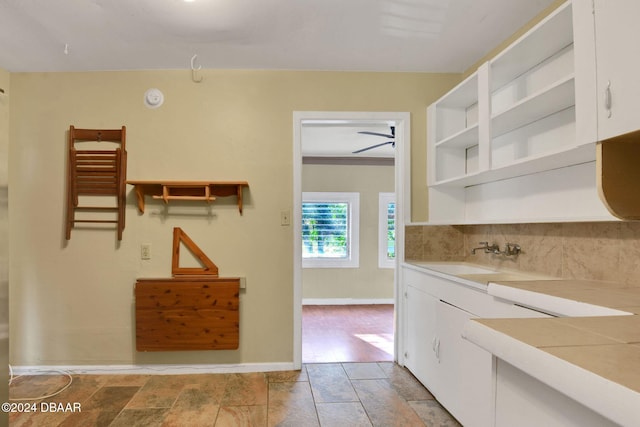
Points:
x=342 y=35
x=339 y=35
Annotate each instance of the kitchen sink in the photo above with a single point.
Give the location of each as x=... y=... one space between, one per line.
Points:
x=456 y=268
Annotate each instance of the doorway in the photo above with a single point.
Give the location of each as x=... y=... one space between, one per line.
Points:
x=352 y=120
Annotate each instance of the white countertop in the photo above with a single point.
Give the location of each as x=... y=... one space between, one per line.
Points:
x=590 y=353
x=472 y=275
x=595 y=360
x=570 y=297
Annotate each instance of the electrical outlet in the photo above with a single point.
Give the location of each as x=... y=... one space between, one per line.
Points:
x=145 y=251
x=285 y=218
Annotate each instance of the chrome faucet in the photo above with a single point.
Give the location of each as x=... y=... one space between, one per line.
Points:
x=488 y=249
x=510 y=249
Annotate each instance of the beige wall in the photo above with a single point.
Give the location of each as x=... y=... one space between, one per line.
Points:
x=5 y=82
x=368 y=281
x=4 y=239
x=72 y=303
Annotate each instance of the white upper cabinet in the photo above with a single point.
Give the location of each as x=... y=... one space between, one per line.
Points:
x=617 y=32
x=515 y=115
x=515 y=141
x=617 y=91
x=532 y=85
x=454 y=155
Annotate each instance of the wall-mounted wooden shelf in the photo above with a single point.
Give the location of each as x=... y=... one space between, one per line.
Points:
x=206 y=191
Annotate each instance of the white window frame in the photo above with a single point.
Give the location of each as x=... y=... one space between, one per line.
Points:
x=353 y=229
x=383 y=202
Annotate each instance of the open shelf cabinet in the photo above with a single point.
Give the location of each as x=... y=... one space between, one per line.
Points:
x=515 y=120
x=458 y=131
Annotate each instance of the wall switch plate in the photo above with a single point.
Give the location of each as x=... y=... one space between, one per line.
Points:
x=285 y=217
x=145 y=251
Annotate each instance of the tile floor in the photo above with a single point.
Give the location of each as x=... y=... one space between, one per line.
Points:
x=369 y=390
x=328 y=394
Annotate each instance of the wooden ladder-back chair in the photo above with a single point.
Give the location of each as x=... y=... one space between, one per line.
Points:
x=95 y=173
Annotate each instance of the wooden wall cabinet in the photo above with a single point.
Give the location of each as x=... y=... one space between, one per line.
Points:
x=187 y=313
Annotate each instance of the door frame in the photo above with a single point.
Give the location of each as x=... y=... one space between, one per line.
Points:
x=402 y=177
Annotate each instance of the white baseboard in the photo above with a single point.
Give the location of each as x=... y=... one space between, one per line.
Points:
x=346 y=301
x=152 y=369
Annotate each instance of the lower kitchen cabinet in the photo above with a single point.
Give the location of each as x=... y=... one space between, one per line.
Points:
x=466 y=370
x=458 y=373
x=454 y=370
x=420 y=352
x=523 y=401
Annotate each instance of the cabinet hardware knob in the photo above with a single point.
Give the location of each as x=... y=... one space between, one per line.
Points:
x=607 y=99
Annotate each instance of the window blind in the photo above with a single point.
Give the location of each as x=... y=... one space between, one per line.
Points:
x=325 y=230
x=391 y=230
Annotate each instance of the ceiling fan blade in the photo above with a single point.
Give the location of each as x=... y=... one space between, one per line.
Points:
x=384 y=135
x=377 y=134
x=393 y=144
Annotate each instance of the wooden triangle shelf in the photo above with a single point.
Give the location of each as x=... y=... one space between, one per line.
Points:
x=208 y=266
x=205 y=191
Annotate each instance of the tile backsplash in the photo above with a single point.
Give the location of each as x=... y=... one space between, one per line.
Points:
x=592 y=251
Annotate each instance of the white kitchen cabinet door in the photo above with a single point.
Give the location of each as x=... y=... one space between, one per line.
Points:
x=421 y=338
x=618 y=66
x=466 y=390
x=523 y=401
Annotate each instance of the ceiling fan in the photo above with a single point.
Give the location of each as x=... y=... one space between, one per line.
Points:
x=391 y=136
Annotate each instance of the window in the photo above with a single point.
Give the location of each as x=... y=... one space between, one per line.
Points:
x=386 y=230
x=330 y=230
